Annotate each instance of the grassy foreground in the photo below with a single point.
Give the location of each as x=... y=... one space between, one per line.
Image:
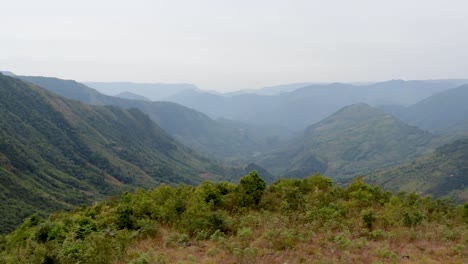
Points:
x=292 y=221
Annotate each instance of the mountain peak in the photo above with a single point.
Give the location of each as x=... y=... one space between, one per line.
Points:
x=349 y=116
x=7 y=73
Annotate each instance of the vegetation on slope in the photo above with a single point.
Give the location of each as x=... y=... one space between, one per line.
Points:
x=442 y=173
x=295 y=221
x=194 y=129
x=55 y=153
x=354 y=140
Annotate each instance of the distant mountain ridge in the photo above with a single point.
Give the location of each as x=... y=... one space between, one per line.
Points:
x=307 y=105
x=132 y=96
x=7 y=73
x=191 y=127
x=442 y=113
x=153 y=91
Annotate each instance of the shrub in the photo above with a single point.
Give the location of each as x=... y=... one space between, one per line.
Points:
x=368 y=216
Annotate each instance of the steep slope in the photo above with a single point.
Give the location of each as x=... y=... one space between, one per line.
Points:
x=307 y=105
x=444 y=113
x=444 y=172
x=56 y=152
x=354 y=140
x=190 y=127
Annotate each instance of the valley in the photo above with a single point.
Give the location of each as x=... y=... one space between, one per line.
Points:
x=64 y=144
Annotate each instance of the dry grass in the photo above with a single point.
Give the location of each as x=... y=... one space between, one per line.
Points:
x=423 y=244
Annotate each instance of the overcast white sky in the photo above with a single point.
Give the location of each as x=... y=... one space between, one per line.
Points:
x=227 y=45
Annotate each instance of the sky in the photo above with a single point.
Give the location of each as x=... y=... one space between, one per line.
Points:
x=226 y=45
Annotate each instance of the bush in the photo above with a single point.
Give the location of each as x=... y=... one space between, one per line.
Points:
x=368 y=216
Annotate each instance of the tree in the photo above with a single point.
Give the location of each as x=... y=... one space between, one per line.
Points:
x=251 y=189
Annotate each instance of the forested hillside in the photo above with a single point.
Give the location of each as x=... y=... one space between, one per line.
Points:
x=354 y=140
x=442 y=173
x=292 y=221
x=55 y=153
x=192 y=128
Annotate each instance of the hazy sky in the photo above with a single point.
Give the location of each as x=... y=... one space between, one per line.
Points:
x=227 y=45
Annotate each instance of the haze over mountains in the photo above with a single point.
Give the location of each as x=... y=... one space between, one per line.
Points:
x=153 y=91
x=120 y=142
x=443 y=113
x=191 y=127
x=307 y=105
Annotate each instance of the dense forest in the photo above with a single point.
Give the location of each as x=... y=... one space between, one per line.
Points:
x=310 y=220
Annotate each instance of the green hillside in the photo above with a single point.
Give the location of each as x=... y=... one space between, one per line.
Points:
x=55 y=152
x=291 y=221
x=354 y=140
x=192 y=128
x=442 y=173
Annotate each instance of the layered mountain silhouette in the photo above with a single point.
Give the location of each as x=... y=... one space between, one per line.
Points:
x=442 y=113
x=153 y=91
x=191 y=127
x=307 y=105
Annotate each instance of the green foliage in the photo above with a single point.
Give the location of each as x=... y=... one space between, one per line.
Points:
x=294 y=217
x=443 y=173
x=355 y=140
x=369 y=218
x=213 y=138
x=251 y=189
x=57 y=153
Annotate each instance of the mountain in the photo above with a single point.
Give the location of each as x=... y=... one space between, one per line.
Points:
x=55 y=152
x=354 y=140
x=153 y=91
x=271 y=90
x=307 y=105
x=441 y=173
x=7 y=73
x=442 y=113
x=191 y=127
x=132 y=96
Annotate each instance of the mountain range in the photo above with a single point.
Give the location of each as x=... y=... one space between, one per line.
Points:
x=193 y=128
x=56 y=152
x=442 y=113
x=304 y=106
x=152 y=91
